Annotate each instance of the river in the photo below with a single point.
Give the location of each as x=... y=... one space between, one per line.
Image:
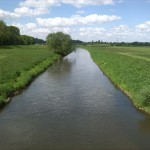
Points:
x=73 y=106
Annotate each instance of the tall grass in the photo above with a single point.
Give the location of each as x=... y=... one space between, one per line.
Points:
x=128 y=72
x=20 y=65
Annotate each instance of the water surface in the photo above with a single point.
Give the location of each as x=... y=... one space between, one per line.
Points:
x=73 y=106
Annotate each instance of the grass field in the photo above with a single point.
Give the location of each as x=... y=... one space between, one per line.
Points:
x=19 y=65
x=128 y=68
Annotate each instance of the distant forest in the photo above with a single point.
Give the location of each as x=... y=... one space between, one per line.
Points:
x=101 y=43
x=10 y=35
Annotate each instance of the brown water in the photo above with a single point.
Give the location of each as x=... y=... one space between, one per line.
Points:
x=73 y=106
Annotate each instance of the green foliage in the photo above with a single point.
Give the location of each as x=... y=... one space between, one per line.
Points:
x=128 y=68
x=60 y=43
x=20 y=66
x=39 y=41
x=27 y=40
x=3 y=33
x=10 y=35
x=14 y=30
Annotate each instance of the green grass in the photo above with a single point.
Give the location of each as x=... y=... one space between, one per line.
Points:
x=128 y=68
x=19 y=65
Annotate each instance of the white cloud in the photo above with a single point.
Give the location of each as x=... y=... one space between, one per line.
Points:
x=145 y=27
x=121 y=29
x=34 y=30
x=89 y=34
x=121 y=32
x=26 y=11
x=124 y=33
x=33 y=8
x=26 y=27
x=77 y=20
x=86 y=31
x=76 y=3
x=4 y=15
x=40 y=3
x=22 y=11
x=81 y=3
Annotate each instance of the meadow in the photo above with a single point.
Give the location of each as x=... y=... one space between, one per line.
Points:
x=19 y=65
x=128 y=68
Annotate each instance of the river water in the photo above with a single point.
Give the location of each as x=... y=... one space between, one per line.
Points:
x=73 y=106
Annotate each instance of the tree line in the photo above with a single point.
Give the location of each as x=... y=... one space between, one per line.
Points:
x=10 y=35
x=99 y=42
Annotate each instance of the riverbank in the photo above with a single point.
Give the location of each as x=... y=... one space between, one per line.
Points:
x=19 y=66
x=128 y=68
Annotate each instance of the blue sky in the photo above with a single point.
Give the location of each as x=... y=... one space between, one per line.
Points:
x=87 y=20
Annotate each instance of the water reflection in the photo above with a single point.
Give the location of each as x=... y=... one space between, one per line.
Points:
x=145 y=125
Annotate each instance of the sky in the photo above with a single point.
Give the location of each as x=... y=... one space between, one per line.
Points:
x=86 y=20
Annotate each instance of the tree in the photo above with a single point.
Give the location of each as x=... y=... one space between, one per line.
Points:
x=39 y=41
x=3 y=32
x=28 y=40
x=14 y=30
x=14 y=35
x=60 y=43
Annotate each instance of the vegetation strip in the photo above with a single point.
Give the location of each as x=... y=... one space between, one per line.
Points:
x=21 y=64
x=10 y=88
x=130 y=74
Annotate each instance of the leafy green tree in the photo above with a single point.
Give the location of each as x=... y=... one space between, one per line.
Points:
x=13 y=35
x=39 y=41
x=14 y=30
x=3 y=32
x=60 y=43
x=28 y=40
x=10 y=35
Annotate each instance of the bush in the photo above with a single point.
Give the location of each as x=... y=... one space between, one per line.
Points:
x=60 y=43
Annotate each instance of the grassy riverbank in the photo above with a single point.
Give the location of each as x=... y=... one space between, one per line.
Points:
x=20 y=65
x=128 y=68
